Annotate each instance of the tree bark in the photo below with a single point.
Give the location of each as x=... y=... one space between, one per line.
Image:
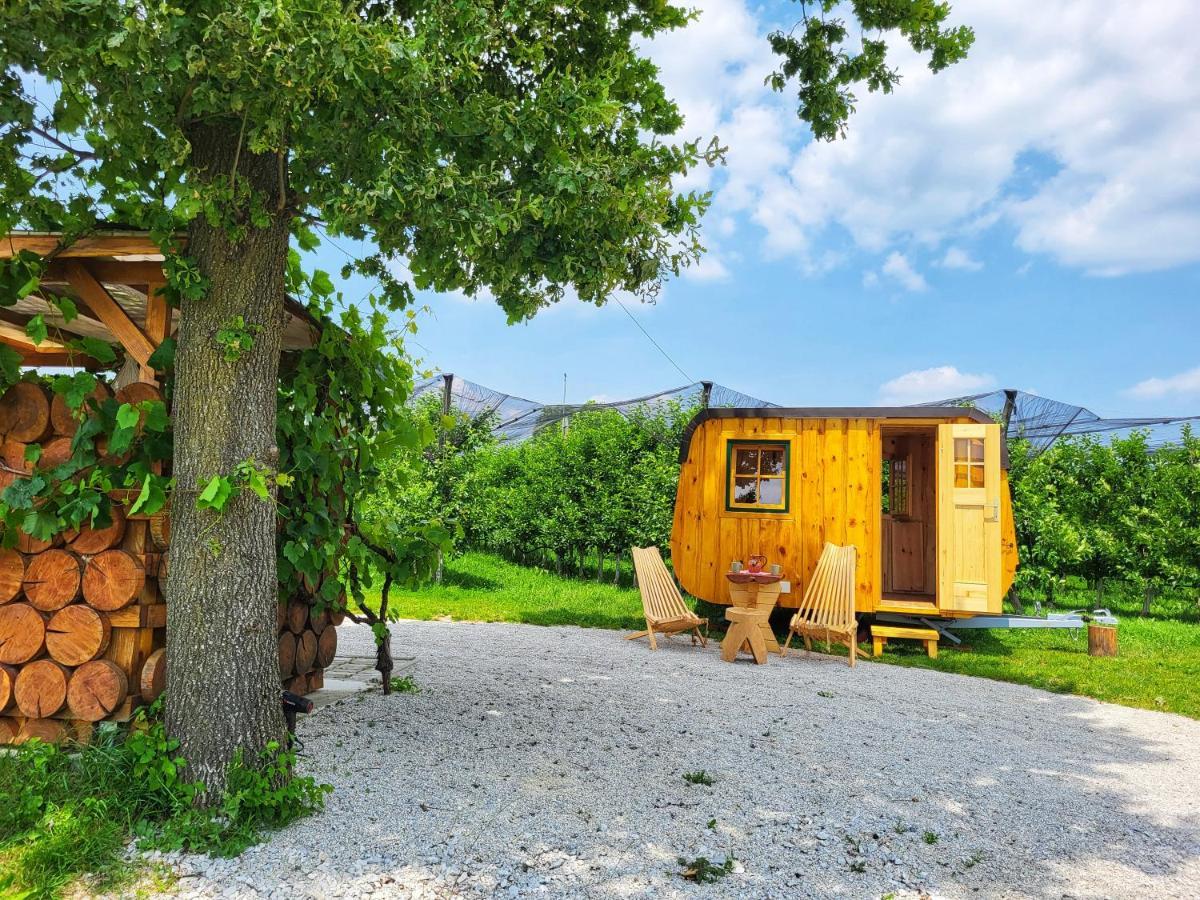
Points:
x=222 y=588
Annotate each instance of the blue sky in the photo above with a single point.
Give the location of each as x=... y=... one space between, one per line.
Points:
x=1029 y=219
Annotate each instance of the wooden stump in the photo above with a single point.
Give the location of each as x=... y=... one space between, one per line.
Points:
x=96 y=689
x=77 y=634
x=318 y=621
x=12 y=453
x=287 y=654
x=12 y=575
x=89 y=541
x=316 y=680
x=112 y=580
x=30 y=546
x=281 y=609
x=154 y=675
x=64 y=420
x=55 y=452
x=9 y=728
x=297 y=615
x=22 y=633
x=338 y=616
x=50 y=731
x=160 y=531
x=1102 y=640
x=52 y=580
x=25 y=412
x=306 y=652
x=41 y=688
x=8 y=681
x=326 y=647
x=298 y=684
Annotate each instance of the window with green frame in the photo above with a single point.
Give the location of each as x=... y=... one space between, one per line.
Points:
x=757 y=476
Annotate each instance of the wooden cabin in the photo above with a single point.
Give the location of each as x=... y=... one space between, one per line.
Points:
x=938 y=540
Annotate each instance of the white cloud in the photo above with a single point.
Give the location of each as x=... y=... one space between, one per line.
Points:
x=710 y=268
x=1105 y=104
x=870 y=279
x=1183 y=384
x=898 y=268
x=957 y=258
x=938 y=383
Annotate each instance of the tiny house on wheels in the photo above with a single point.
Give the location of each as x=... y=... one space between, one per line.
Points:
x=937 y=541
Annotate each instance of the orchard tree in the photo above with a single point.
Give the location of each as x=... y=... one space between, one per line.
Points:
x=522 y=147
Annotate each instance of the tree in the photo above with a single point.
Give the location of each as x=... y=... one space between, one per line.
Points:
x=518 y=147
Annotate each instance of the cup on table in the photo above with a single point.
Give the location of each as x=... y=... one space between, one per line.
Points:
x=776 y=569
x=735 y=566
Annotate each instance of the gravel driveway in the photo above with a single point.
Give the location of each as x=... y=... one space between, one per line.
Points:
x=550 y=761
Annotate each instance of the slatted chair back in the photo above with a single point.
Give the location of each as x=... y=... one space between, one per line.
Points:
x=661 y=600
x=829 y=600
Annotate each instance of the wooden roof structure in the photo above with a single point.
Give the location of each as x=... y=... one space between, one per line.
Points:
x=114 y=278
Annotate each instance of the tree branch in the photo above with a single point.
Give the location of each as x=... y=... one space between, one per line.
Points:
x=62 y=145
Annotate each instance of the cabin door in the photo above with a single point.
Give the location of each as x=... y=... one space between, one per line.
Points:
x=969 y=518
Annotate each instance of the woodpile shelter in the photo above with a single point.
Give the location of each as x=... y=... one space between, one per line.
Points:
x=779 y=482
x=83 y=614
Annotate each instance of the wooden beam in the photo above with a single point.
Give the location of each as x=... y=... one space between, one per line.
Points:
x=158 y=321
x=109 y=311
x=111 y=271
x=15 y=334
x=132 y=244
x=33 y=356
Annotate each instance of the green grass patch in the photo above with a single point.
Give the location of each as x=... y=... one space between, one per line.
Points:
x=480 y=587
x=1158 y=666
x=67 y=813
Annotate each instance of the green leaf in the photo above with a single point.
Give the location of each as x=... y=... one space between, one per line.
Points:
x=321 y=284
x=36 y=330
x=66 y=306
x=20 y=494
x=151 y=498
x=33 y=452
x=127 y=416
x=99 y=350
x=10 y=364
x=215 y=494
x=163 y=357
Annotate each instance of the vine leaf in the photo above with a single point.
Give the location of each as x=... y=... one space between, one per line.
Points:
x=10 y=364
x=36 y=329
x=216 y=494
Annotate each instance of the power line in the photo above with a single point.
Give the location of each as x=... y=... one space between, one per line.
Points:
x=665 y=354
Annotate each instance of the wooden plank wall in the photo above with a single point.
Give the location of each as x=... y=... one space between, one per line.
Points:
x=834 y=495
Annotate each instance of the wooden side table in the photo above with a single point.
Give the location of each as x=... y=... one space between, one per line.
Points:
x=749 y=617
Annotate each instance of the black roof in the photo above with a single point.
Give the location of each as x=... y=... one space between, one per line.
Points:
x=835 y=412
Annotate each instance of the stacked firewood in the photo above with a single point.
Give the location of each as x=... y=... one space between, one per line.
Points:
x=82 y=620
x=83 y=616
x=307 y=645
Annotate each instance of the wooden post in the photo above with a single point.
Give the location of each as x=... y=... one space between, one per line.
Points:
x=706 y=393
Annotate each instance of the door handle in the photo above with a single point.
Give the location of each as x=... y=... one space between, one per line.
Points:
x=995 y=516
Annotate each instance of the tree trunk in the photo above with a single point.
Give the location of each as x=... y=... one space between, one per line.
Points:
x=222 y=588
x=1148 y=595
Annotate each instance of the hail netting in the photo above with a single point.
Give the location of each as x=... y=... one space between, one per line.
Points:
x=517 y=418
x=1039 y=420
x=1043 y=421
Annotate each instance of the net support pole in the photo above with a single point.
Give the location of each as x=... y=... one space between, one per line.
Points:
x=1010 y=403
x=705 y=394
x=447 y=394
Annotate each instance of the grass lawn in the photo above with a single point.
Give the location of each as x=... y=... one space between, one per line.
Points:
x=1158 y=666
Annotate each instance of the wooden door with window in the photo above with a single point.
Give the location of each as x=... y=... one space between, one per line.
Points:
x=969 y=518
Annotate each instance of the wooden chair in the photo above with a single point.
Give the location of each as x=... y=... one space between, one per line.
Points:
x=662 y=604
x=827 y=611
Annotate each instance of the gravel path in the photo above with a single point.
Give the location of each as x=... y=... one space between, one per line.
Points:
x=550 y=761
